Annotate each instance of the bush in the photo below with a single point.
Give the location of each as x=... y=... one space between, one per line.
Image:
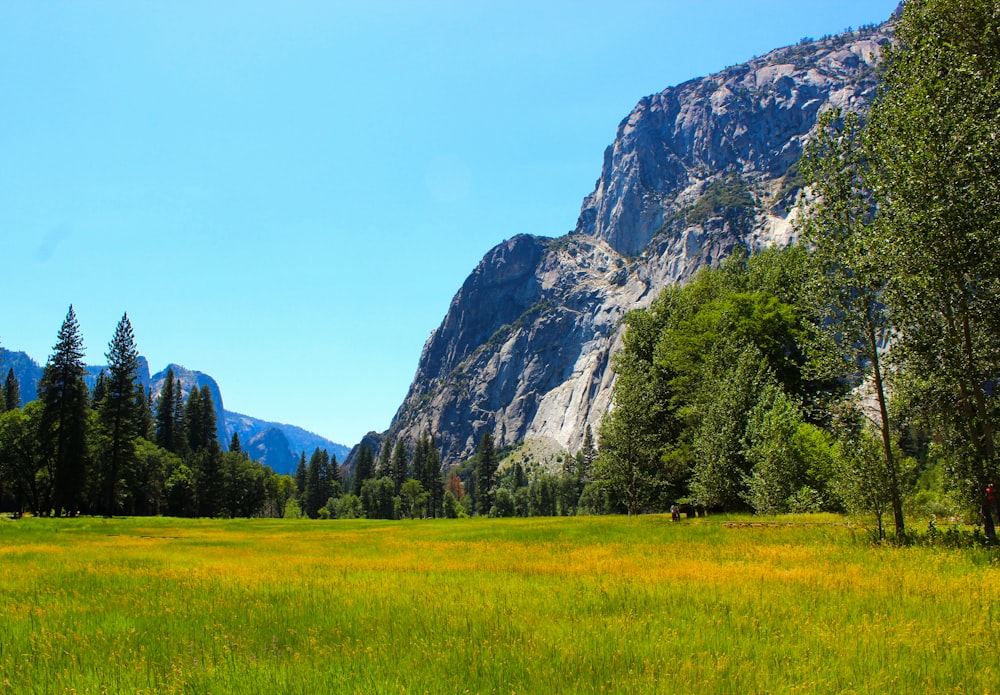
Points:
x=348 y=507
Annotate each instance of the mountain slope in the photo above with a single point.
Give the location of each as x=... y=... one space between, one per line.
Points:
x=525 y=348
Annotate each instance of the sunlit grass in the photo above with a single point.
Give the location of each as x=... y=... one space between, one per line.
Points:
x=510 y=606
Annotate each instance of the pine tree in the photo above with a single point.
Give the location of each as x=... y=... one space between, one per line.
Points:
x=193 y=419
x=234 y=444
x=199 y=419
x=144 y=412
x=317 y=488
x=63 y=427
x=363 y=469
x=384 y=467
x=118 y=414
x=209 y=425
x=486 y=468
x=335 y=476
x=180 y=424
x=12 y=391
x=211 y=479
x=431 y=475
x=399 y=469
x=301 y=472
x=100 y=389
x=166 y=426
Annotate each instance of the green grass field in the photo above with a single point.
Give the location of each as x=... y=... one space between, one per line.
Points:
x=569 y=605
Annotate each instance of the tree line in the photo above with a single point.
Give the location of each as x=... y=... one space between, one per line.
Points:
x=113 y=450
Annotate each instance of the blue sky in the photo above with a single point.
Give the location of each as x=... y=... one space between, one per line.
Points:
x=287 y=195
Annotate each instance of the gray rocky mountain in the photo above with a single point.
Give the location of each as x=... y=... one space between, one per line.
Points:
x=272 y=448
x=279 y=452
x=191 y=379
x=276 y=444
x=526 y=347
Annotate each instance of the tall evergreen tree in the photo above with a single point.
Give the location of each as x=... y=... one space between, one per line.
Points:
x=100 y=389
x=399 y=468
x=12 y=391
x=429 y=474
x=234 y=444
x=118 y=414
x=211 y=479
x=301 y=473
x=318 y=486
x=180 y=424
x=145 y=426
x=194 y=420
x=364 y=468
x=63 y=427
x=199 y=419
x=166 y=426
x=486 y=469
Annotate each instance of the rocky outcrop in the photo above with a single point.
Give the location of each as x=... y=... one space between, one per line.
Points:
x=750 y=121
x=526 y=347
x=272 y=448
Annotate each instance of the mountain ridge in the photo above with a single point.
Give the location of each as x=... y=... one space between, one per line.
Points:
x=526 y=347
x=297 y=439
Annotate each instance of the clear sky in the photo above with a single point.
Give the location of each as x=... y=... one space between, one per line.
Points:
x=287 y=195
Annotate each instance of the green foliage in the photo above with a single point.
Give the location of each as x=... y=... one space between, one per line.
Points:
x=485 y=474
x=118 y=416
x=348 y=507
x=364 y=469
x=699 y=375
x=21 y=467
x=451 y=507
x=728 y=197
x=849 y=274
x=11 y=391
x=934 y=148
x=377 y=498
x=791 y=461
x=318 y=483
x=63 y=427
x=414 y=499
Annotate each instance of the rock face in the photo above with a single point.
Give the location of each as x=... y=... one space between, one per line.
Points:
x=278 y=445
x=271 y=447
x=525 y=350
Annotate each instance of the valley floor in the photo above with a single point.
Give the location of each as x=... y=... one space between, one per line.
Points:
x=561 y=605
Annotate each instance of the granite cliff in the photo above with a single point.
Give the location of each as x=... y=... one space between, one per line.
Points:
x=526 y=347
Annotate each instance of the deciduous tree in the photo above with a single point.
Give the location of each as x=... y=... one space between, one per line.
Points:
x=934 y=145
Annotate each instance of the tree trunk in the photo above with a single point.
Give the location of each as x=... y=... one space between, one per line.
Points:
x=890 y=460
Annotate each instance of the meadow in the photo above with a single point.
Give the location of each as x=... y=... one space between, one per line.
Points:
x=562 y=605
